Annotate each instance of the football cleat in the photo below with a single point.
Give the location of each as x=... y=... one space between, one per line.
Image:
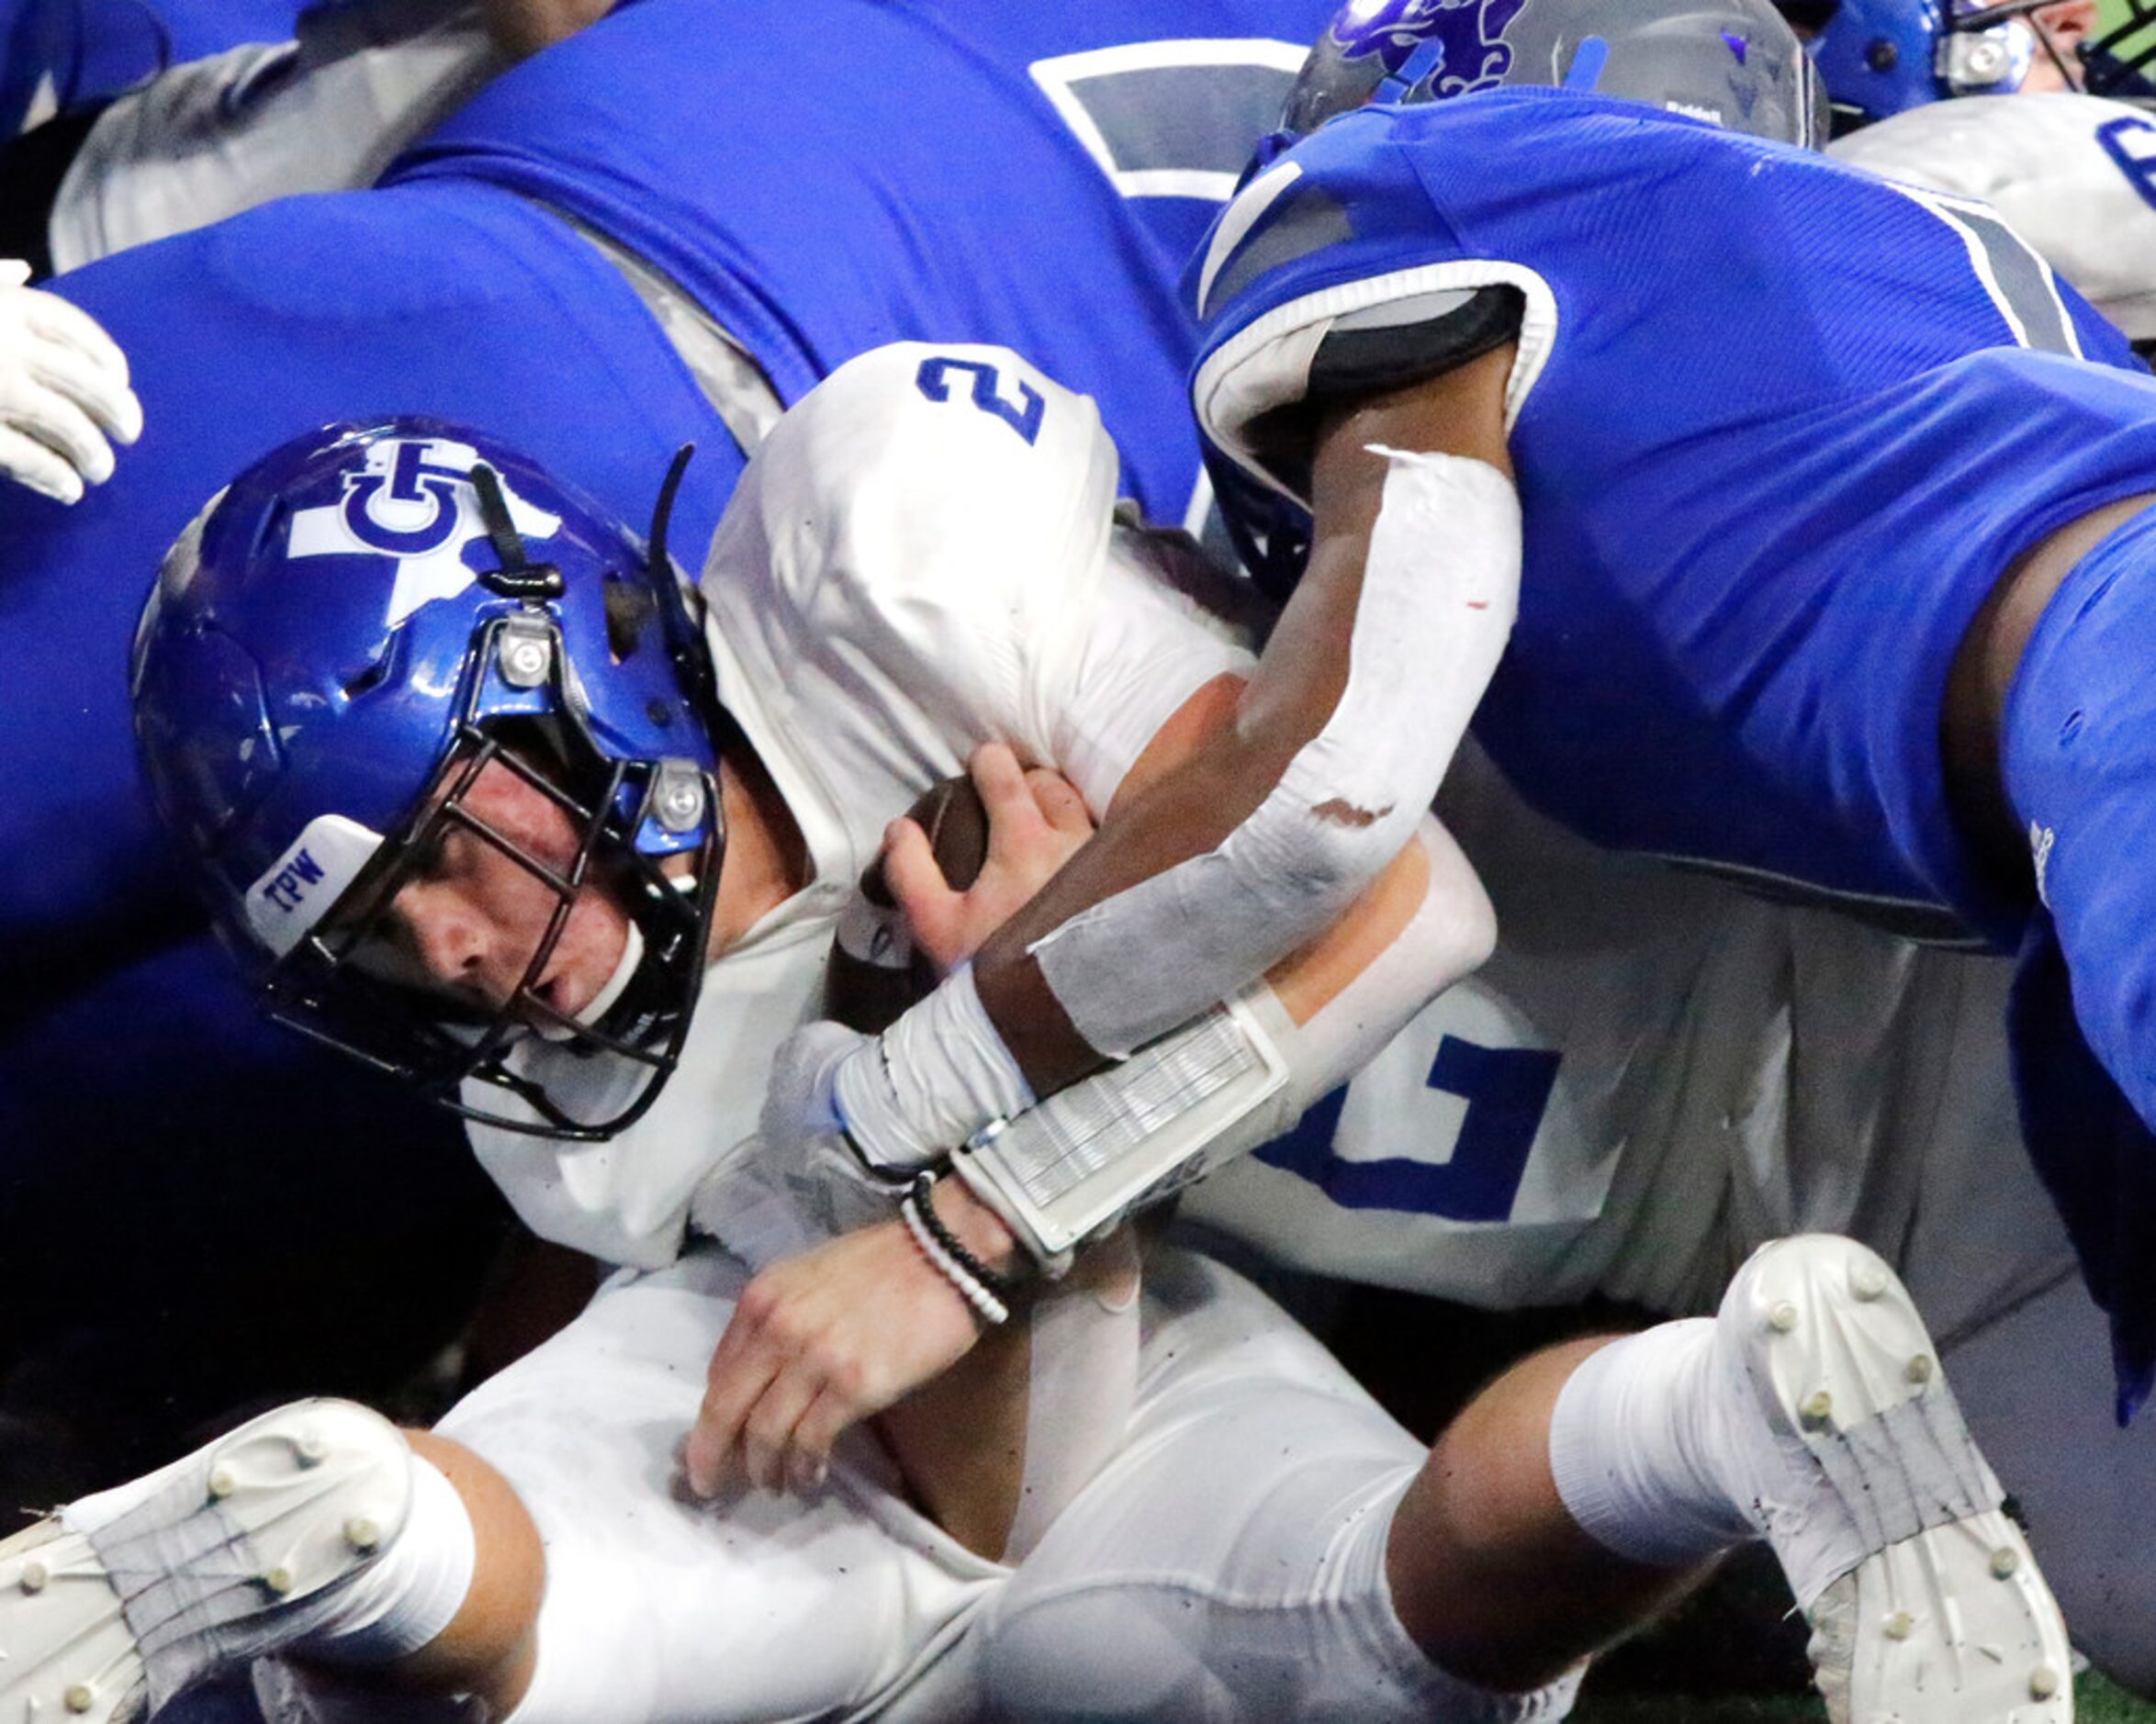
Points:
x=1924 y=1602
x=114 y=1605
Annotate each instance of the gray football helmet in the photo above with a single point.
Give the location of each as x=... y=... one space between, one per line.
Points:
x=1735 y=62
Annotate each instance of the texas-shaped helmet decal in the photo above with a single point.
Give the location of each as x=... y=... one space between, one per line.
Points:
x=412 y=499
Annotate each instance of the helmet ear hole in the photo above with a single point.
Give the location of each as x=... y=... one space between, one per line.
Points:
x=630 y=610
x=372 y=677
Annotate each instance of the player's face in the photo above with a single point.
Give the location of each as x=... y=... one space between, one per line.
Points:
x=465 y=925
x=2066 y=27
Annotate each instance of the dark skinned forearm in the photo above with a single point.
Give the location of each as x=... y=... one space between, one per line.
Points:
x=1207 y=773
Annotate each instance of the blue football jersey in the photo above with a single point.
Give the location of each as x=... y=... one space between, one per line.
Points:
x=827 y=178
x=1779 y=429
x=1778 y=426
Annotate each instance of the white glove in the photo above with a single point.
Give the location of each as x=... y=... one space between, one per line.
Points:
x=64 y=392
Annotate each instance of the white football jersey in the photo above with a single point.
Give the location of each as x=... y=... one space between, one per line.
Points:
x=919 y=560
x=1655 y=1073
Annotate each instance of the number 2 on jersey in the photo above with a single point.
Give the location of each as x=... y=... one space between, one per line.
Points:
x=933 y=380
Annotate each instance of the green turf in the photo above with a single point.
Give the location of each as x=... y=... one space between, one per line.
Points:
x=2095 y=1702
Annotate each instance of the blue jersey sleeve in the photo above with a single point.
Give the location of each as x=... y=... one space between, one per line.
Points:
x=1334 y=274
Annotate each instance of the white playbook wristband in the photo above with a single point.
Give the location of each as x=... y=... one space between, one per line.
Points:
x=1440 y=587
x=1067 y=1171
x=929 y=1081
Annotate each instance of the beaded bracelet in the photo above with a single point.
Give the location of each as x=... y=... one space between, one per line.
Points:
x=978 y=1285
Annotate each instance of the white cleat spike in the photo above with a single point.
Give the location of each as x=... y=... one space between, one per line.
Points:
x=1940 y=1615
x=261 y=1521
x=67 y=1642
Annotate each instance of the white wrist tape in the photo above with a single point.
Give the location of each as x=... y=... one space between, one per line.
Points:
x=1139 y=1132
x=1440 y=589
x=929 y=1081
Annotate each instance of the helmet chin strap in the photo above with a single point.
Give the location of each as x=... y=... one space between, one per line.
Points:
x=610 y=991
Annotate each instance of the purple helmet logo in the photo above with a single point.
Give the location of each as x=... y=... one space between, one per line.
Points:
x=1470 y=34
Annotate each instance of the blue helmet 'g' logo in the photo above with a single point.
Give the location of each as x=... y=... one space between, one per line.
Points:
x=1470 y=35
x=425 y=489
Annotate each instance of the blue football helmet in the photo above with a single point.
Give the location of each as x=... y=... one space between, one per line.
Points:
x=338 y=646
x=1878 y=57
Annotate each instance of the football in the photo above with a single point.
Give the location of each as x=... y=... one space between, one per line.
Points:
x=875 y=973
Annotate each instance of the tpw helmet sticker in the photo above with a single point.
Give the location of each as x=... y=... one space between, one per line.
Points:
x=413 y=500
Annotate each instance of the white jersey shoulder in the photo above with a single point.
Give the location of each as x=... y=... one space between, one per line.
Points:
x=916 y=561
x=935 y=516
x=2074 y=174
x=909 y=568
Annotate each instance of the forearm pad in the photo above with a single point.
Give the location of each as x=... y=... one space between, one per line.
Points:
x=1440 y=589
x=1069 y=1169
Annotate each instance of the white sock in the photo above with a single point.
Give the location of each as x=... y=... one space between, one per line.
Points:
x=1634 y=1448
x=408 y=1595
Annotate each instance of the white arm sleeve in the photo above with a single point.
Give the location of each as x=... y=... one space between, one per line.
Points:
x=1146 y=649
x=1440 y=589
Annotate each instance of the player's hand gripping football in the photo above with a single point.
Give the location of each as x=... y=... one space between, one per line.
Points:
x=65 y=398
x=836 y=1334
x=1036 y=821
